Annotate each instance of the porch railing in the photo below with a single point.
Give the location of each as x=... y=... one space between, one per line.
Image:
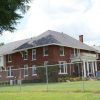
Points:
x=79 y=55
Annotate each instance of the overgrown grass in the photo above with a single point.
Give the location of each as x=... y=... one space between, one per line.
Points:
x=87 y=90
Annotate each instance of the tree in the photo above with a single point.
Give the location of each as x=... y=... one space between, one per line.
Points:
x=10 y=12
x=1 y=44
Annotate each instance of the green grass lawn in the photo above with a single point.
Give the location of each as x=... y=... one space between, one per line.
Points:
x=48 y=96
x=56 y=91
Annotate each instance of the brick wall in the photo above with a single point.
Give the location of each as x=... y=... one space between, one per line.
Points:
x=53 y=57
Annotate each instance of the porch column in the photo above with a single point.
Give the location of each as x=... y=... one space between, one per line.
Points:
x=87 y=68
x=84 y=69
x=95 y=65
x=93 y=68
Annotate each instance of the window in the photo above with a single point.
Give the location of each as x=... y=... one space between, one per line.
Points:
x=25 y=70
x=63 y=67
x=25 y=55
x=61 y=51
x=9 y=72
x=76 y=52
x=45 y=51
x=34 y=70
x=9 y=58
x=33 y=54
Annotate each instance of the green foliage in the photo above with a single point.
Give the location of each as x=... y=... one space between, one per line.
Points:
x=52 y=73
x=66 y=78
x=75 y=79
x=9 y=13
x=41 y=72
x=63 y=78
x=1 y=44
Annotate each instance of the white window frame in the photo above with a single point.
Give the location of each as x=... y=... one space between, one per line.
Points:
x=9 y=70
x=62 y=48
x=9 y=58
x=25 y=69
x=33 y=70
x=44 y=50
x=76 y=52
x=34 y=53
x=25 y=55
x=64 y=66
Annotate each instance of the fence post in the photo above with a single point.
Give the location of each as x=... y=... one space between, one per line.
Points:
x=83 y=77
x=20 y=78
x=46 y=77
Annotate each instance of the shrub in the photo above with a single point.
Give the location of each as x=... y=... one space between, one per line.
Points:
x=65 y=78
x=52 y=73
x=75 y=79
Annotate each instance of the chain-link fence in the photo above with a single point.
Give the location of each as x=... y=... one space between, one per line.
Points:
x=58 y=77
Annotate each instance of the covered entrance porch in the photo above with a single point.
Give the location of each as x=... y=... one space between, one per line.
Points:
x=85 y=64
x=89 y=68
x=85 y=68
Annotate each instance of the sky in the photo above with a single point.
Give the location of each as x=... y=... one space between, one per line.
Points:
x=73 y=17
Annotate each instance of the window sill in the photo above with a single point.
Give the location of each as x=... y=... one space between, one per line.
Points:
x=45 y=55
x=9 y=61
x=34 y=75
x=10 y=76
x=62 y=55
x=25 y=59
x=63 y=73
x=25 y=75
x=33 y=59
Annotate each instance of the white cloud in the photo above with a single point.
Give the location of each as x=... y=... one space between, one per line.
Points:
x=73 y=17
x=75 y=5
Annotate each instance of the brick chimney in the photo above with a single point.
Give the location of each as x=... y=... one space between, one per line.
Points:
x=81 y=38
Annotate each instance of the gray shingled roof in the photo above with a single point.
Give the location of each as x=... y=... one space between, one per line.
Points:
x=53 y=37
x=9 y=47
x=47 y=38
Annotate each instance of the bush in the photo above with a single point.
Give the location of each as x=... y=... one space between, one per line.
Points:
x=52 y=73
x=41 y=74
x=31 y=81
x=75 y=79
x=63 y=78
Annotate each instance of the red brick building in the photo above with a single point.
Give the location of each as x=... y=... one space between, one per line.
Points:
x=50 y=48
